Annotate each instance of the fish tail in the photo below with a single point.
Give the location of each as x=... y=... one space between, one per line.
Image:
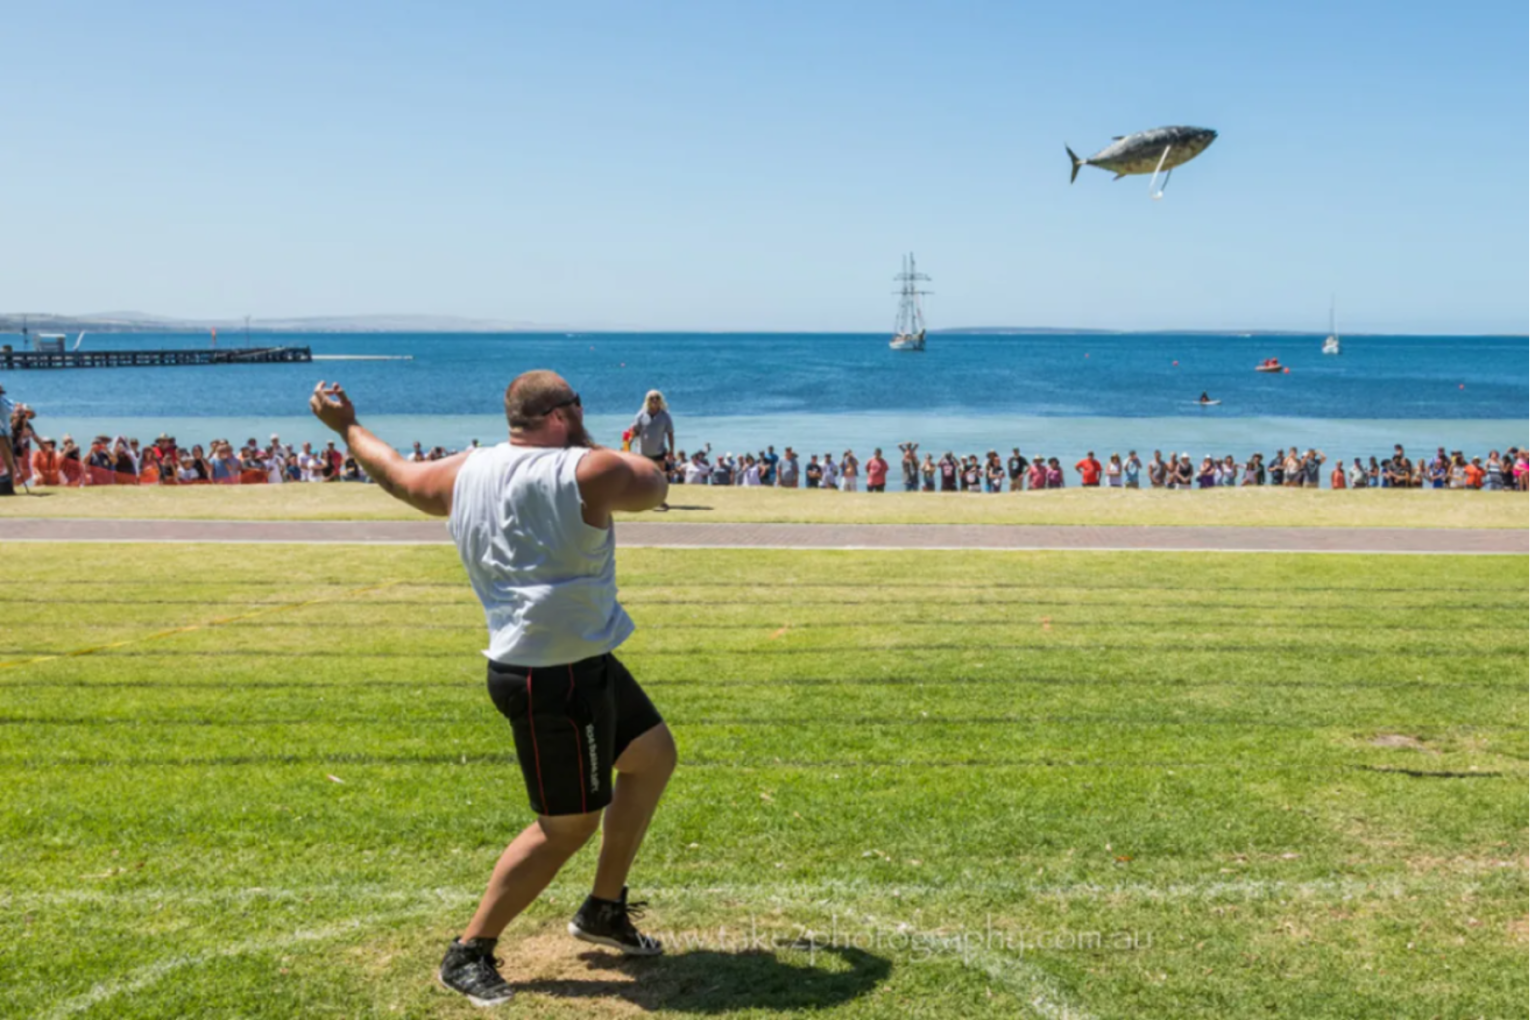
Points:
x=1076 y=163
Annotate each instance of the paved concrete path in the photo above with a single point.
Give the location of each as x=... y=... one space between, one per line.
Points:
x=637 y=534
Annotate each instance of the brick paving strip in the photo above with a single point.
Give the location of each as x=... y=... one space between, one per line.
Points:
x=641 y=534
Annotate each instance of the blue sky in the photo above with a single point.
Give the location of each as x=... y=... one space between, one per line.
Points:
x=727 y=165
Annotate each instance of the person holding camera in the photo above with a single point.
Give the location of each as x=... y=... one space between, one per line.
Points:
x=910 y=466
x=7 y=451
x=15 y=430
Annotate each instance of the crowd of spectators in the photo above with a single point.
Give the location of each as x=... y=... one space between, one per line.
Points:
x=1292 y=468
x=117 y=460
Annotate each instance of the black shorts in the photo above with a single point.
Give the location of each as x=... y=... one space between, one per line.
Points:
x=571 y=723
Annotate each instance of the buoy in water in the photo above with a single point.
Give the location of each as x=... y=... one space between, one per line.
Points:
x=1286 y=370
x=1176 y=364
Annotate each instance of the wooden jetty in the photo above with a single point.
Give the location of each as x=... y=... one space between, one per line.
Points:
x=154 y=359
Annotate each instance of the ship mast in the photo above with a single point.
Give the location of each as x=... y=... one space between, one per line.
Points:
x=910 y=315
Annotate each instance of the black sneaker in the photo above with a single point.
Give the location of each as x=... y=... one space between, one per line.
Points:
x=609 y=923
x=471 y=968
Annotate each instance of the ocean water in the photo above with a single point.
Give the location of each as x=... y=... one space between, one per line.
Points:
x=1059 y=394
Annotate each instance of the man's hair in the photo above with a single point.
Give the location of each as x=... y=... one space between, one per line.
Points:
x=531 y=395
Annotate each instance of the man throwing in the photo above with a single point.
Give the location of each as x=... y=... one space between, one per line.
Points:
x=532 y=522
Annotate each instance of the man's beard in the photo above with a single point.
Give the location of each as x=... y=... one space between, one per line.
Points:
x=577 y=436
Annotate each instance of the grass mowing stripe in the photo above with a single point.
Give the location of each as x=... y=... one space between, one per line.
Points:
x=1505 y=652
x=891 y=681
x=92 y=650
x=889 y=586
x=713 y=603
x=680 y=719
x=701 y=761
x=478 y=628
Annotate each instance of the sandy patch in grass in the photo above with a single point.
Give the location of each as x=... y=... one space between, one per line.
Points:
x=1402 y=741
x=555 y=975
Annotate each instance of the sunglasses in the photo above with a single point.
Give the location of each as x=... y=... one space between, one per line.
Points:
x=573 y=401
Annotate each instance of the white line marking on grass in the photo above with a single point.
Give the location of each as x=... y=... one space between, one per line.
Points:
x=176 y=897
x=786 y=893
x=143 y=977
x=1245 y=889
x=1033 y=984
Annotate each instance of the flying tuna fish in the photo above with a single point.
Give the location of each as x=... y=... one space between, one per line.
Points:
x=1161 y=149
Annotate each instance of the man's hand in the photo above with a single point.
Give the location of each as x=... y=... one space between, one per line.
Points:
x=332 y=407
x=425 y=486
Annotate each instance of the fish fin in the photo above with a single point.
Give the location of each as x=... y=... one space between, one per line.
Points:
x=1117 y=177
x=1076 y=163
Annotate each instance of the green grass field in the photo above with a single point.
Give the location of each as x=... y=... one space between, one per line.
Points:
x=268 y=782
x=1266 y=507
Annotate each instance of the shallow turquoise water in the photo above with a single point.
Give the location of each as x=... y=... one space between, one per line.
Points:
x=1060 y=395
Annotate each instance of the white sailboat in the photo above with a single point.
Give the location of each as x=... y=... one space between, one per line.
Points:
x=909 y=331
x=1331 y=345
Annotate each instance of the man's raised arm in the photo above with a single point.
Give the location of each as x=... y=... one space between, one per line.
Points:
x=609 y=481
x=426 y=486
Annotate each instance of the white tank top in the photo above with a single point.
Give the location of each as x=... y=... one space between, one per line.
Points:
x=547 y=580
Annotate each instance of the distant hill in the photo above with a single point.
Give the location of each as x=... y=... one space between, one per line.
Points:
x=1020 y=330
x=145 y=322
x=1054 y=330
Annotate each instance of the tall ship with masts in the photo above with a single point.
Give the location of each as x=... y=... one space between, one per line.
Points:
x=908 y=334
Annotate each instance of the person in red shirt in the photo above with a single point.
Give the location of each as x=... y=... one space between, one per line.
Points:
x=45 y=463
x=336 y=461
x=876 y=472
x=1475 y=473
x=1336 y=480
x=1089 y=468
